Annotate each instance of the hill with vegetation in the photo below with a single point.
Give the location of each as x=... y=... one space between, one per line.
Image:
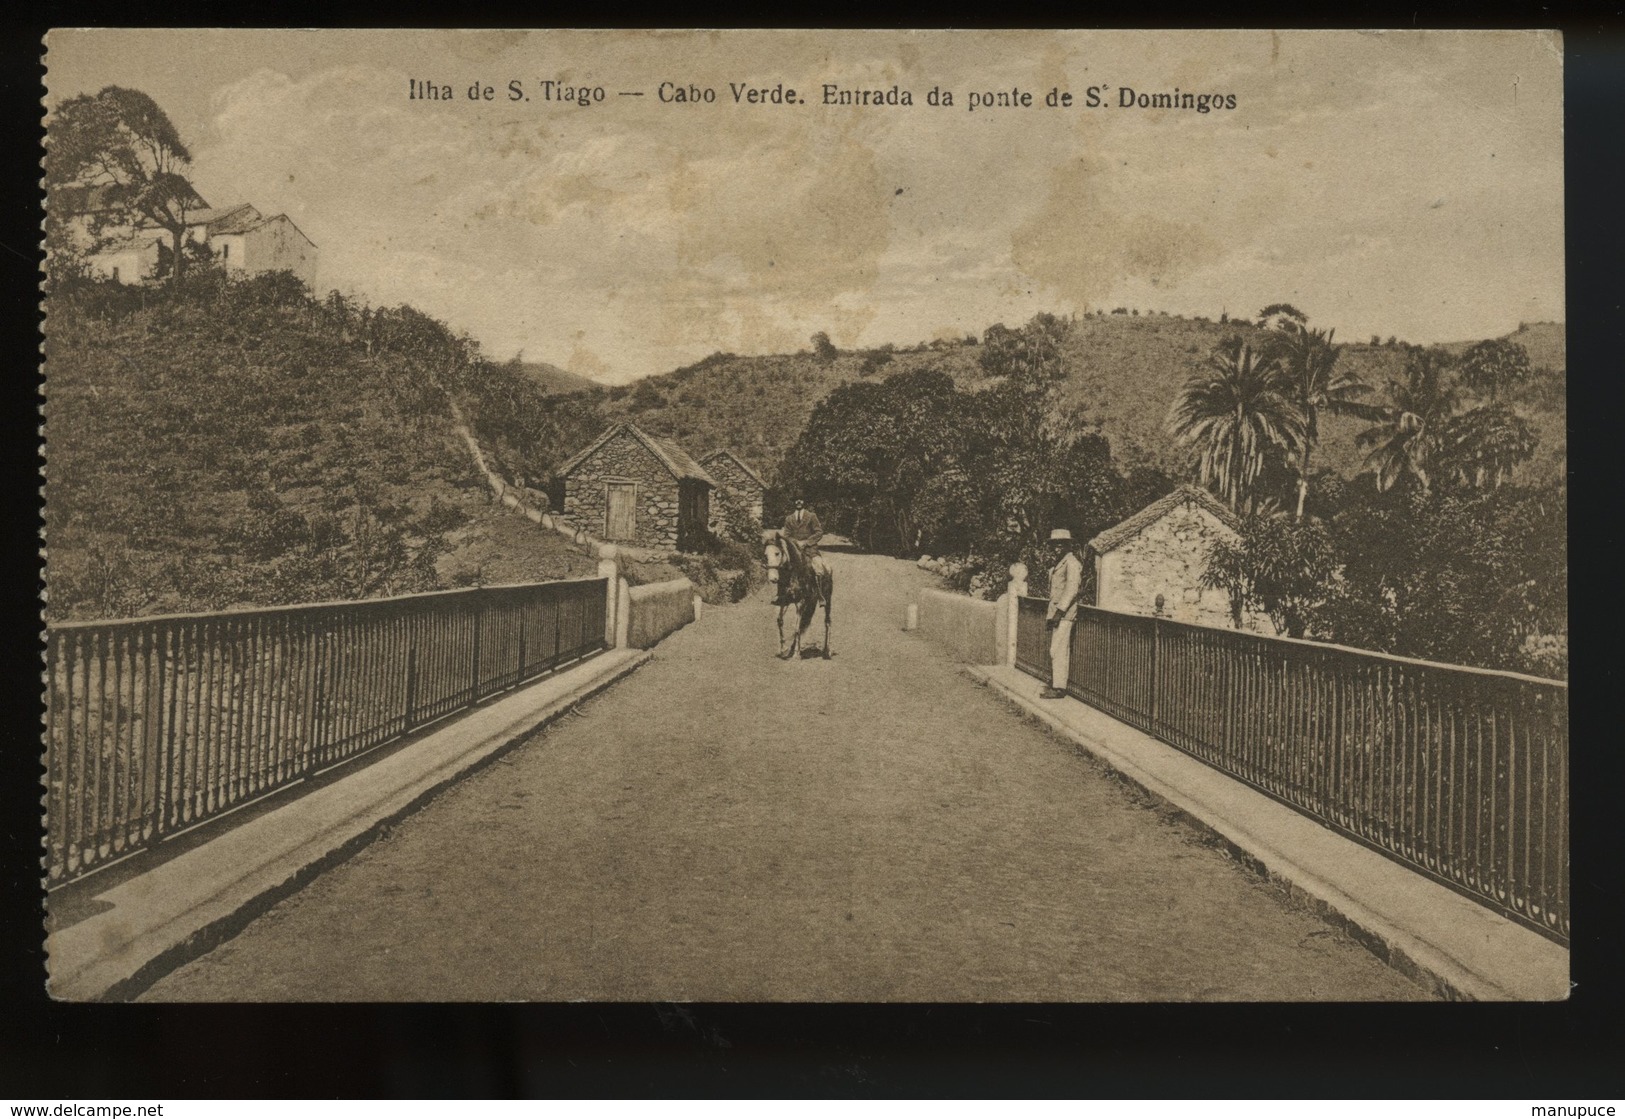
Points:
x=757 y=406
x=246 y=445
x=555 y=381
x=1123 y=373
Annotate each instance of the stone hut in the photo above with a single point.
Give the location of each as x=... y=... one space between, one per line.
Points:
x=1161 y=551
x=737 y=484
x=629 y=487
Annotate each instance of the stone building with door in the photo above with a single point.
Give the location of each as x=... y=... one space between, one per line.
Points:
x=1152 y=562
x=629 y=487
x=737 y=485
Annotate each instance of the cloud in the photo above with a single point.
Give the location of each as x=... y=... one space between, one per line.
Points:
x=635 y=237
x=1085 y=242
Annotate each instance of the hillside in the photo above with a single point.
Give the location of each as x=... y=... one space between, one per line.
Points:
x=756 y=406
x=1125 y=373
x=246 y=448
x=556 y=381
x=252 y=446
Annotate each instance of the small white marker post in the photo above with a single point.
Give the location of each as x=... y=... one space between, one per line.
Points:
x=1016 y=591
x=614 y=605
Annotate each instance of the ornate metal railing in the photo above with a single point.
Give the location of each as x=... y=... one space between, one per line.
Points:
x=1460 y=773
x=156 y=724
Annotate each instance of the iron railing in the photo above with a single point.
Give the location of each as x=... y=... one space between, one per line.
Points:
x=1460 y=773
x=156 y=724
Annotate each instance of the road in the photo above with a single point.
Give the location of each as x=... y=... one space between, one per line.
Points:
x=723 y=825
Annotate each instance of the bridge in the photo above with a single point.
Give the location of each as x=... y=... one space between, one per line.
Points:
x=720 y=825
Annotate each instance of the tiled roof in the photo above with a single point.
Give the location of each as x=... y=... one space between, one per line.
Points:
x=737 y=461
x=228 y=219
x=671 y=456
x=1126 y=530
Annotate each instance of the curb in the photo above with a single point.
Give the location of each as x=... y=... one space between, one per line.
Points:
x=114 y=970
x=1404 y=950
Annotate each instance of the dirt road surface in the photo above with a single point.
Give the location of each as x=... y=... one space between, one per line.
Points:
x=723 y=825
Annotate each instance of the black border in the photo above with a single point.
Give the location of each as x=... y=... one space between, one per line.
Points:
x=1560 y=1052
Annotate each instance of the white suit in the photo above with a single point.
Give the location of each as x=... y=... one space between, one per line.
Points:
x=1065 y=587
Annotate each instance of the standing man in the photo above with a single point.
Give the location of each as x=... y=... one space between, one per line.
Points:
x=1065 y=586
x=802 y=526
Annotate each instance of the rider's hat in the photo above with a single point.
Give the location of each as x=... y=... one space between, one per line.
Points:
x=1061 y=534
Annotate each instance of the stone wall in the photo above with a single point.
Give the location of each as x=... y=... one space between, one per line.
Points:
x=737 y=488
x=967 y=627
x=624 y=459
x=1168 y=557
x=658 y=609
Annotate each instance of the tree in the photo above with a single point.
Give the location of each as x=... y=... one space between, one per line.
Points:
x=1235 y=411
x=1493 y=365
x=1481 y=448
x=1465 y=577
x=1412 y=424
x=823 y=348
x=122 y=142
x=869 y=450
x=1278 y=315
x=1309 y=360
x=1031 y=355
x=1284 y=568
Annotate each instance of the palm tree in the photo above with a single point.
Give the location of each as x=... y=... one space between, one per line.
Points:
x=1309 y=360
x=1413 y=424
x=1233 y=410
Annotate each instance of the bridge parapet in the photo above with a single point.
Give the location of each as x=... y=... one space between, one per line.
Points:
x=656 y=610
x=1459 y=773
x=967 y=627
x=156 y=724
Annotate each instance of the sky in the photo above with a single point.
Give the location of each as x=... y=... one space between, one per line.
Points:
x=1396 y=183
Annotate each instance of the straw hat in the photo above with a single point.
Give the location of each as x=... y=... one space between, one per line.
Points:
x=1061 y=534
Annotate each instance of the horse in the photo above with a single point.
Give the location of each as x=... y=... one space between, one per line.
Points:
x=801 y=582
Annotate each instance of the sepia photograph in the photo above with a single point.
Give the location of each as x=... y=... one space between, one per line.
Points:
x=804 y=517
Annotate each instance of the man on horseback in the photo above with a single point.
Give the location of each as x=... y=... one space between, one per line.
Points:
x=802 y=526
x=800 y=574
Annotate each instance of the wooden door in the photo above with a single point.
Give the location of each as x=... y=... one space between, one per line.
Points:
x=621 y=519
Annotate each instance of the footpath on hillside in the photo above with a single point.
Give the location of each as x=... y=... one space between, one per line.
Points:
x=723 y=825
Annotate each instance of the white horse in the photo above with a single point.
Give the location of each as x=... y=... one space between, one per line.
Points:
x=800 y=582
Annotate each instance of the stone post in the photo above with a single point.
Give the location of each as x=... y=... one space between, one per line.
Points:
x=1012 y=613
x=911 y=616
x=623 y=616
x=614 y=603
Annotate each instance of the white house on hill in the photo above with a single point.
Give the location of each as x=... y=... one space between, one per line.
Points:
x=243 y=240
x=247 y=242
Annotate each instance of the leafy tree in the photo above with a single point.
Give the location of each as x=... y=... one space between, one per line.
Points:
x=1481 y=448
x=1031 y=355
x=1467 y=577
x=869 y=450
x=121 y=141
x=1284 y=568
x=1235 y=412
x=1494 y=365
x=823 y=349
x=1413 y=421
x=911 y=462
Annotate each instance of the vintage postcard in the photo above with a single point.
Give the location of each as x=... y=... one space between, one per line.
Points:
x=805 y=516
